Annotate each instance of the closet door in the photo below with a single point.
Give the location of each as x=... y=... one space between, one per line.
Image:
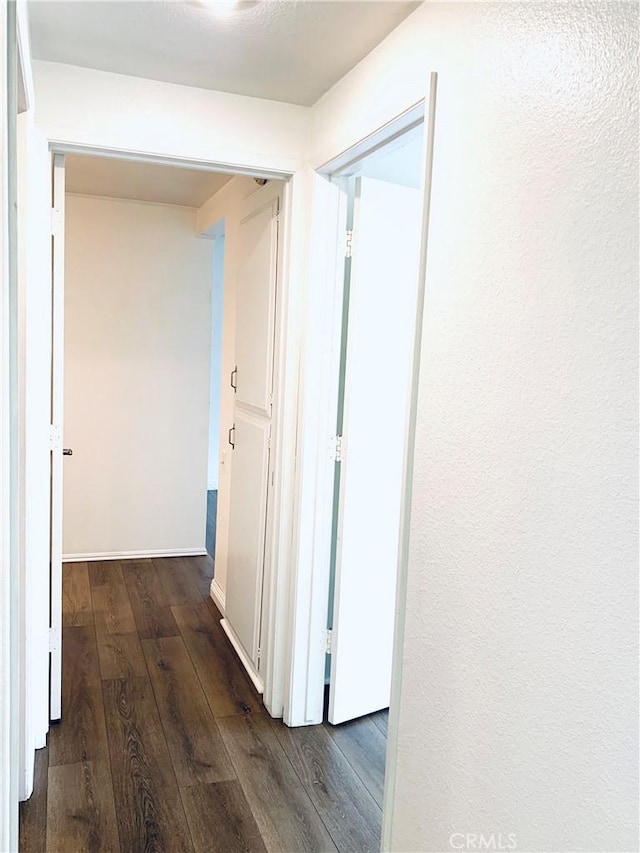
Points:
x=255 y=310
x=247 y=527
x=251 y=434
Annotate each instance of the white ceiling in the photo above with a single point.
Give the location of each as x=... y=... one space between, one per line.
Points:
x=284 y=50
x=142 y=181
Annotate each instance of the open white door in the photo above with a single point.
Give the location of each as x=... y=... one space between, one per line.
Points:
x=34 y=273
x=377 y=372
x=251 y=435
x=57 y=402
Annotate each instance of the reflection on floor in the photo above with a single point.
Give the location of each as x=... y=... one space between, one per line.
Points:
x=212 y=507
x=164 y=744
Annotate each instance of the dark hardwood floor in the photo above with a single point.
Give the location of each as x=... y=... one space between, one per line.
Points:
x=164 y=744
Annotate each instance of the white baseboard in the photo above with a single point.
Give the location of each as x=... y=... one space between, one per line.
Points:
x=134 y=555
x=218 y=596
x=244 y=658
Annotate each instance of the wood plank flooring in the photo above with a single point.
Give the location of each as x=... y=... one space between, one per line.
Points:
x=165 y=746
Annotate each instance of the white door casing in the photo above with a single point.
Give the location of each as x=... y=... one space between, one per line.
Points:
x=381 y=320
x=9 y=590
x=57 y=403
x=253 y=379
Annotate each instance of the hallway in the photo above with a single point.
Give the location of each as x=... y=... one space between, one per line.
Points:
x=165 y=745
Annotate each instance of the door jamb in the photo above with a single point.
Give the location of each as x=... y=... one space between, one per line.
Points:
x=304 y=702
x=10 y=641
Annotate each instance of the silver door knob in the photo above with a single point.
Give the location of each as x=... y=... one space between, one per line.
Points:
x=67 y=451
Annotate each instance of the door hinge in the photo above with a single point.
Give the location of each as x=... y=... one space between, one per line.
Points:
x=56 y=221
x=348 y=249
x=335 y=448
x=53 y=643
x=258 y=654
x=328 y=641
x=55 y=437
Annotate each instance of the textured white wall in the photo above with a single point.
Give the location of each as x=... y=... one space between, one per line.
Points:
x=137 y=334
x=87 y=107
x=518 y=710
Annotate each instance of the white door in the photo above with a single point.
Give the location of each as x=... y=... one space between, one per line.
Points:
x=255 y=309
x=381 y=318
x=35 y=248
x=247 y=525
x=57 y=401
x=251 y=434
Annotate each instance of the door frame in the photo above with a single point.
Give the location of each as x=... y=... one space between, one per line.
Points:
x=285 y=410
x=305 y=704
x=11 y=675
x=310 y=606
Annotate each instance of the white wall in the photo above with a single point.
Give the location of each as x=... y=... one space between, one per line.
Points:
x=215 y=377
x=518 y=707
x=97 y=108
x=137 y=336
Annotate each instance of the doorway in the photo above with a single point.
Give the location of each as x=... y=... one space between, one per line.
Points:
x=152 y=321
x=333 y=248
x=377 y=327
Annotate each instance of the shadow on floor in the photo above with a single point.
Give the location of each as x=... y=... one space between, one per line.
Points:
x=212 y=509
